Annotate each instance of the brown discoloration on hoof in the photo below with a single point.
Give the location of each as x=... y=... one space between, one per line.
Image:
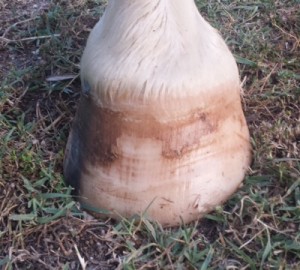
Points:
x=187 y=135
x=92 y=141
x=98 y=130
x=129 y=157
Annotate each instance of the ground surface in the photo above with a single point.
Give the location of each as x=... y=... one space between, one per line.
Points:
x=41 y=227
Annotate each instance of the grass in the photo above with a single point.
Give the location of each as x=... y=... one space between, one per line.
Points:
x=42 y=227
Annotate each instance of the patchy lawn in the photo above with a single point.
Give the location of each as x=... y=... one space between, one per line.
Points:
x=41 y=227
